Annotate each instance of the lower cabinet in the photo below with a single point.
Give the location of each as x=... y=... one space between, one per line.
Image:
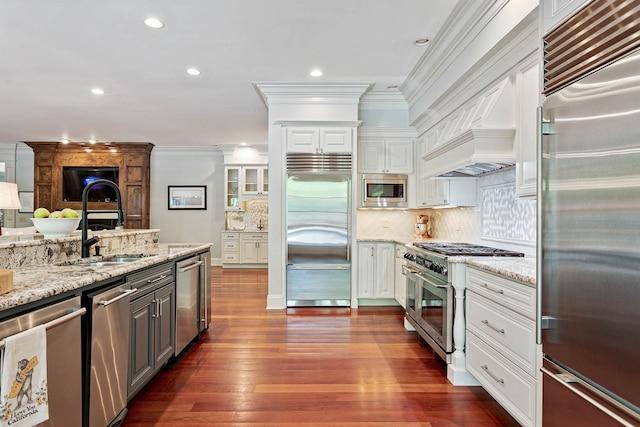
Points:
x=152 y=326
x=400 y=292
x=376 y=270
x=245 y=249
x=502 y=353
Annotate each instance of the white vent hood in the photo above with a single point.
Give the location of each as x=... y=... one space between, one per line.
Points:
x=475 y=139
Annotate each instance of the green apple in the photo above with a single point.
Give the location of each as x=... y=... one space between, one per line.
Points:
x=41 y=213
x=56 y=214
x=69 y=213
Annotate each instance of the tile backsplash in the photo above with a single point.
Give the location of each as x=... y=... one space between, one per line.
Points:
x=500 y=219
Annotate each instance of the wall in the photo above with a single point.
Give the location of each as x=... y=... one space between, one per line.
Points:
x=188 y=166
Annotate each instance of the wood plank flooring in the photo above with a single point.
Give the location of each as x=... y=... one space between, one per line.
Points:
x=306 y=367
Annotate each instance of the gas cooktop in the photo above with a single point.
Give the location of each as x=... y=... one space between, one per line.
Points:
x=465 y=249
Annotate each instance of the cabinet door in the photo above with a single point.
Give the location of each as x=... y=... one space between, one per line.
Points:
x=141 y=348
x=555 y=11
x=526 y=135
x=165 y=324
x=248 y=251
x=255 y=180
x=400 y=291
x=371 y=156
x=437 y=192
x=399 y=155
x=421 y=182
x=366 y=270
x=385 y=269
x=263 y=252
x=336 y=140
x=232 y=186
x=303 y=140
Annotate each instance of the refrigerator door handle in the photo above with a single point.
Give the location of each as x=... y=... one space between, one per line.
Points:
x=539 y=216
x=319 y=267
x=573 y=384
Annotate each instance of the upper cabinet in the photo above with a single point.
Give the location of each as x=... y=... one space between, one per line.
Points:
x=244 y=182
x=386 y=150
x=528 y=96
x=319 y=139
x=555 y=11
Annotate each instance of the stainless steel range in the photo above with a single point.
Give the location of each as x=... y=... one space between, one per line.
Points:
x=430 y=295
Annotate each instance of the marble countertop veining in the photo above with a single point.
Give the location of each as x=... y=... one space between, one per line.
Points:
x=34 y=283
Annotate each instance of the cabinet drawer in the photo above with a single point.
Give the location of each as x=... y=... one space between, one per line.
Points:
x=508 y=332
x=510 y=386
x=151 y=278
x=514 y=295
x=230 y=245
x=230 y=258
x=254 y=236
x=226 y=236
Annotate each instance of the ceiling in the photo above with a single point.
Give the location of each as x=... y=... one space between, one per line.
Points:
x=54 y=52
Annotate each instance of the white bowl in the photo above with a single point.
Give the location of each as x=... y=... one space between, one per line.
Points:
x=55 y=227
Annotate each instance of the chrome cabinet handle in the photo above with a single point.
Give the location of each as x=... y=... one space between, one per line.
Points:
x=486 y=322
x=155 y=309
x=157 y=279
x=497 y=291
x=492 y=375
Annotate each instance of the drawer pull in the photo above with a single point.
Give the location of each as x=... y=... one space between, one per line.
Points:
x=157 y=279
x=486 y=322
x=492 y=375
x=497 y=291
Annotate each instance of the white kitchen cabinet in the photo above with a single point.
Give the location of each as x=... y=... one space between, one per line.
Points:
x=230 y=247
x=376 y=266
x=232 y=187
x=244 y=182
x=254 y=248
x=400 y=291
x=390 y=155
x=256 y=181
x=441 y=192
x=319 y=139
x=502 y=353
x=553 y=12
x=528 y=99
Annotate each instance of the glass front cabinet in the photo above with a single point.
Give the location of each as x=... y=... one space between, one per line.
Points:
x=243 y=183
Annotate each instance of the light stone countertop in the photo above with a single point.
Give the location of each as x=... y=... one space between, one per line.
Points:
x=522 y=269
x=34 y=283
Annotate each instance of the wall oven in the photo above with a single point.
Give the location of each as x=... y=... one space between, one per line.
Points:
x=384 y=191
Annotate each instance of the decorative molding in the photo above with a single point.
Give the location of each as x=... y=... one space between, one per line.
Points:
x=310 y=93
x=387 y=132
x=383 y=100
x=318 y=123
x=187 y=150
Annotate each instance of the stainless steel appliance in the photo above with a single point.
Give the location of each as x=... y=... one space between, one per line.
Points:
x=108 y=333
x=589 y=219
x=319 y=230
x=384 y=191
x=64 y=357
x=187 y=311
x=430 y=295
x=204 y=294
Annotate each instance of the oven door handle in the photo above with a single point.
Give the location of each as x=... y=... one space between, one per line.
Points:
x=429 y=281
x=408 y=270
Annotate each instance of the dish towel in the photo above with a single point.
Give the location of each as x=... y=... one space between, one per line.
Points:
x=23 y=386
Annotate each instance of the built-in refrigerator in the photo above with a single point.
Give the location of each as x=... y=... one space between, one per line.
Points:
x=589 y=220
x=319 y=205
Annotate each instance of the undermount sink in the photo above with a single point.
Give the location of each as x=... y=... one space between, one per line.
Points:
x=108 y=261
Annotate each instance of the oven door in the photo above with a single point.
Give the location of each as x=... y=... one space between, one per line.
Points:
x=434 y=309
x=412 y=290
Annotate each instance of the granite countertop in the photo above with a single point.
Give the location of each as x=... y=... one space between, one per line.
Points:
x=34 y=283
x=515 y=268
x=37 y=239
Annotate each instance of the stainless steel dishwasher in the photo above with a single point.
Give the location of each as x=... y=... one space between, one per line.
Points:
x=187 y=310
x=62 y=321
x=109 y=356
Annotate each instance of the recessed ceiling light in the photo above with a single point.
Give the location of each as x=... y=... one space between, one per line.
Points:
x=193 y=71
x=315 y=73
x=97 y=91
x=153 y=23
x=422 y=41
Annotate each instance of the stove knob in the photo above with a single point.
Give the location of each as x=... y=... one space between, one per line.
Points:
x=444 y=270
x=437 y=268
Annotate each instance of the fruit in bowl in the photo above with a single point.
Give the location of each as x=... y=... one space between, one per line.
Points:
x=57 y=223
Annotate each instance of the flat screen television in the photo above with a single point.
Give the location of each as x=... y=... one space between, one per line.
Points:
x=75 y=178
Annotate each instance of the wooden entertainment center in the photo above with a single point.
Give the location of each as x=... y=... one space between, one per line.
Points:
x=132 y=160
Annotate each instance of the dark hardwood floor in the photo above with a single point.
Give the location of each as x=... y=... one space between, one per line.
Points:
x=304 y=367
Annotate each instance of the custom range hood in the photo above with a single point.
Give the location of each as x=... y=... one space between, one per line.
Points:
x=475 y=139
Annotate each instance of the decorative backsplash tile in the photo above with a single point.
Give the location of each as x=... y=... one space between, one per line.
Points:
x=506 y=217
x=257 y=214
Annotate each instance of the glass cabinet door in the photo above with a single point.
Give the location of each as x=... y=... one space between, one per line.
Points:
x=256 y=180
x=232 y=188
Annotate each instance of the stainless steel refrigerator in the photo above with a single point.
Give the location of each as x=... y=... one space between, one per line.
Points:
x=318 y=239
x=589 y=242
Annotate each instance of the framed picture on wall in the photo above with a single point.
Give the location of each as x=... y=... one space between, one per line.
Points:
x=188 y=197
x=26 y=201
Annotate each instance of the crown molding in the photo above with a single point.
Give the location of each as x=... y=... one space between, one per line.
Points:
x=383 y=100
x=310 y=93
x=188 y=150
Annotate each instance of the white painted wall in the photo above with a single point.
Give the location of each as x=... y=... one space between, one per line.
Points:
x=188 y=166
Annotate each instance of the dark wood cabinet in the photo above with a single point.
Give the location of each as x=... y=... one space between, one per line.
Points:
x=132 y=160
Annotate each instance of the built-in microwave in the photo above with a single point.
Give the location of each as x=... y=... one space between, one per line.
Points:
x=384 y=191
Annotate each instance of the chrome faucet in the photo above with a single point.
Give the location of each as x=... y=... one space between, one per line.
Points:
x=86 y=243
